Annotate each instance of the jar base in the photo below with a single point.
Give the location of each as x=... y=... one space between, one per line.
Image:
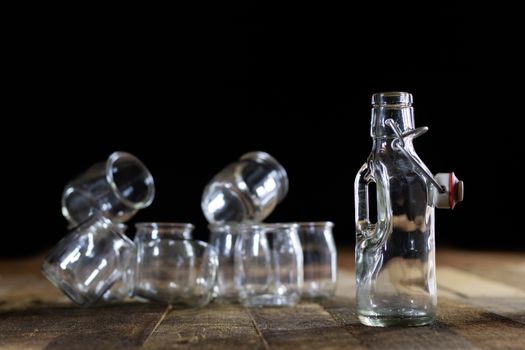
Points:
x=271 y=300
x=389 y=321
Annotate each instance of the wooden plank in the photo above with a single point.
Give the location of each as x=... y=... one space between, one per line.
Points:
x=479 y=308
x=217 y=326
x=21 y=266
x=23 y=291
x=23 y=285
x=470 y=285
x=483 y=329
x=512 y=308
x=504 y=267
x=435 y=336
x=306 y=326
x=60 y=326
x=507 y=306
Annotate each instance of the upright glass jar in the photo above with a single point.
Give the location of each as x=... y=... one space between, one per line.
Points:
x=171 y=267
x=268 y=265
x=319 y=259
x=395 y=257
x=223 y=238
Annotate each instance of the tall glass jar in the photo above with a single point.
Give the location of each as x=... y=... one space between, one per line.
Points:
x=319 y=259
x=268 y=265
x=395 y=257
x=223 y=238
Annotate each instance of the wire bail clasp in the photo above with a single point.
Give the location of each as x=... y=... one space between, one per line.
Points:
x=399 y=143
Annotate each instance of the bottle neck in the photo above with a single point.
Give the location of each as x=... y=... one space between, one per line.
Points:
x=402 y=115
x=384 y=144
x=383 y=134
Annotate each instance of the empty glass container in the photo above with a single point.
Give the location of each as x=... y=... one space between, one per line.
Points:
x=223 y=238
x=172 y=268
x=320 y=259
x=89 y=260
x=395 y=257
x=118 y=188
x=268 y=265
x=247 y=190
x=124 y=287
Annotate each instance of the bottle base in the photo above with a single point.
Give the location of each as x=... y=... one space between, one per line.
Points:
x=389 y=321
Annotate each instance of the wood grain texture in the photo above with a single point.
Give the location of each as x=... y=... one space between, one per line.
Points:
x=470 y=285
x=435 y=336
x=486 y=294
x=481 y=306
x=504 y=267
x=483 y=329
x=60 y=326
x=306 y=326
x=217 y=326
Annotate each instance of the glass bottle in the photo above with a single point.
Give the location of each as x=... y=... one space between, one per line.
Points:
x=395 y=257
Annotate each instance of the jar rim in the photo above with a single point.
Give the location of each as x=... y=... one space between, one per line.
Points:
x=148 y=180
x=165 y=225
x=315 y=224
x=263 y=157
x=241 y=226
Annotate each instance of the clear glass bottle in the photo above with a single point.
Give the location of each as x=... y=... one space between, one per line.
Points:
x=395 y=257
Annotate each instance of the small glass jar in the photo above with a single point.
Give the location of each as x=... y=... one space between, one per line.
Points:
x=118 y=188
x=268 y=265
x=124 y=287
x=320 y=259
x=89 y=260
x=223 y=238
x=172 y=268
x=247 y=190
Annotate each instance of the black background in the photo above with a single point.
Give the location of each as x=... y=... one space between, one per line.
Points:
x=189 y=90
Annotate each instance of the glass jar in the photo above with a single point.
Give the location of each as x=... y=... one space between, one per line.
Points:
x=268 y=265
x=172 y=268
x=117 y=188
x=247 y=190
x=89 y=260
x=124 y=287
x=223 y=238
x=319 y=259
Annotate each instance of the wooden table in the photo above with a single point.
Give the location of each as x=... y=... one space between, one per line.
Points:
x=481 y=306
